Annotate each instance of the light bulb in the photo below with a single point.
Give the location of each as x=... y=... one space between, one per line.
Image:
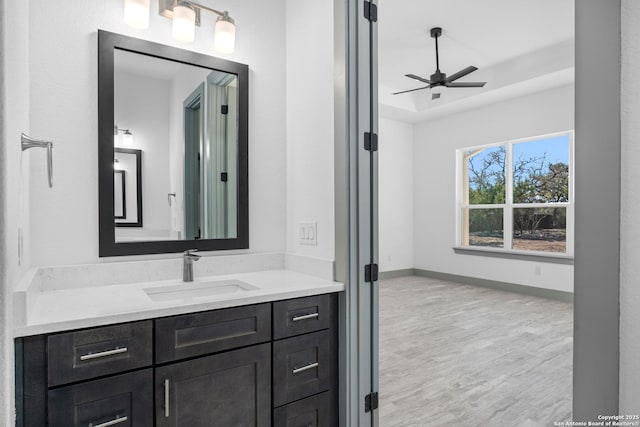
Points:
x=136 y=13
x=184 y=23
x=224 y=40
x=127 y=138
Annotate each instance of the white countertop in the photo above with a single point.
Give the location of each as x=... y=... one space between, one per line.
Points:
x=81 y=307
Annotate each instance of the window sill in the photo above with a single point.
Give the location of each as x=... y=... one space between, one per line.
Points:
x=553 y=258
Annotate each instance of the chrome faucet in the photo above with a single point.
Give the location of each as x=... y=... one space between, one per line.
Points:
x=187 y=266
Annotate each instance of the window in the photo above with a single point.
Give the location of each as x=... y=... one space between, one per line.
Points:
x=517 y=196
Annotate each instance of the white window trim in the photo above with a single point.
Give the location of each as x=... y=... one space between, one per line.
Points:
x=508 y=206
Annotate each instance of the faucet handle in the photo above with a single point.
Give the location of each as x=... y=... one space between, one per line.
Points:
x=189 y=253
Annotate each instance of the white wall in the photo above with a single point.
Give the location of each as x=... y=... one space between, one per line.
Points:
x=630 y=206
x=143 y=107
x=310 y=133
x=63 y=90
x=395 y=195
x=14 y=185
x=436 y=142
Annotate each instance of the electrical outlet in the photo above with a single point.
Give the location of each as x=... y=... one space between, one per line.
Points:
x=308 y=233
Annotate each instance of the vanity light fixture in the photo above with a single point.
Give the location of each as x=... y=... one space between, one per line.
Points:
x=136 y=13
x=127 y=136
x=186 y=16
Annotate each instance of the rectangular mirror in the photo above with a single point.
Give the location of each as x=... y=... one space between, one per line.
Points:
x=188 y=113
x=127 y=189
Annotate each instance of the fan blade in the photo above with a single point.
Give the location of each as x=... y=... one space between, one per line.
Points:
x=466 y=84
x=413 y=76
x=461 y=73
x=411 y=90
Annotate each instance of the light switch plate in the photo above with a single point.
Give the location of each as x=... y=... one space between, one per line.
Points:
x=308 y=233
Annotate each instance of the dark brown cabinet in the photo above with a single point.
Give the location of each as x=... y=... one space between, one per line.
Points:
x=121 y=400
x=227 y=389
x=257 y=365
x=314 y=411
x=303 y=366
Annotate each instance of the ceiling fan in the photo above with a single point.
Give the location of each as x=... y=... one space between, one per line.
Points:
x=439 y=78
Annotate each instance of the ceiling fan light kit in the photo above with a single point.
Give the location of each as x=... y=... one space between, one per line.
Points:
x=440 y=79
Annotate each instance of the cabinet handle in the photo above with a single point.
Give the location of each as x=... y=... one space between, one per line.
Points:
x=304 y=368
x=166 y=398
x=116 y=420
x=305 y=317
x=103 y=354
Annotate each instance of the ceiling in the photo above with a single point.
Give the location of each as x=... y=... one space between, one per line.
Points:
x=519 y=46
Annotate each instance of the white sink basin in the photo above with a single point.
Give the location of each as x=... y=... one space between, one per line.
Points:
x=198 y=290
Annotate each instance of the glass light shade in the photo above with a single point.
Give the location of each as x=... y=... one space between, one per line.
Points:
x=136 y=13
x=184 y=24
x=127 y=139
x=224 y=40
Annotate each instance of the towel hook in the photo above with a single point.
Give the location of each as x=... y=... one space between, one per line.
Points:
x=27 y=142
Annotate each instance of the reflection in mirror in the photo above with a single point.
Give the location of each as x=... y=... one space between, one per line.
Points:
x=185 y=119
x=119 y=196
x=127 y=188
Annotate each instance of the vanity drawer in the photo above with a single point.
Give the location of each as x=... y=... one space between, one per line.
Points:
x=314 y=411
x=304 y=366
x=303 y=315
x=121 y=401
x=89 y=353
x=180 y=337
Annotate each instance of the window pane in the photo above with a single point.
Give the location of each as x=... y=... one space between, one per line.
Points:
x=541 y=170
x=484 y=227
x=485 y=175
x=540 y=229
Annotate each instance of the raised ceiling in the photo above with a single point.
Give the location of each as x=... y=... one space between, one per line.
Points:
x=519 y=46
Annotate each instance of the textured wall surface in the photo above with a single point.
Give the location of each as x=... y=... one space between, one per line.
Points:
x=309 y=93
x=14 y=184
x=395 y=195
x=630 y=208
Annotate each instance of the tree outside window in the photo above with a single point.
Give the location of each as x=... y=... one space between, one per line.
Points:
x=516 y=195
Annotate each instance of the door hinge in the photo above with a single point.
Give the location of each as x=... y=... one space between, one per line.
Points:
x=371 y=402
x=371 y=273
x=370 y=141
x=371 y=11
x=224 y=109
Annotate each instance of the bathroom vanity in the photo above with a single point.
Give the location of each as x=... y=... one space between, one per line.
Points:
x=273 y=362
x=251 y=341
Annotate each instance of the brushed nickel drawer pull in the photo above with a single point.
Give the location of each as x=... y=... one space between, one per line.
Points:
x=103 y=354
x=305 y=317
x=166 y=398
x=116 y=420
x=304 y=368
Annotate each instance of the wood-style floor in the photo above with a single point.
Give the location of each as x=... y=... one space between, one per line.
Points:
x=458 y=355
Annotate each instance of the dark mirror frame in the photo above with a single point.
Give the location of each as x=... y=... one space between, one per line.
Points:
x=107 y=44
x=138 y=172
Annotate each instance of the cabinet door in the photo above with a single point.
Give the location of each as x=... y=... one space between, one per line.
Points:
x=90 y=353
x=303 y=366
x=314 y=411
x=122 y=401
x=230 y=389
